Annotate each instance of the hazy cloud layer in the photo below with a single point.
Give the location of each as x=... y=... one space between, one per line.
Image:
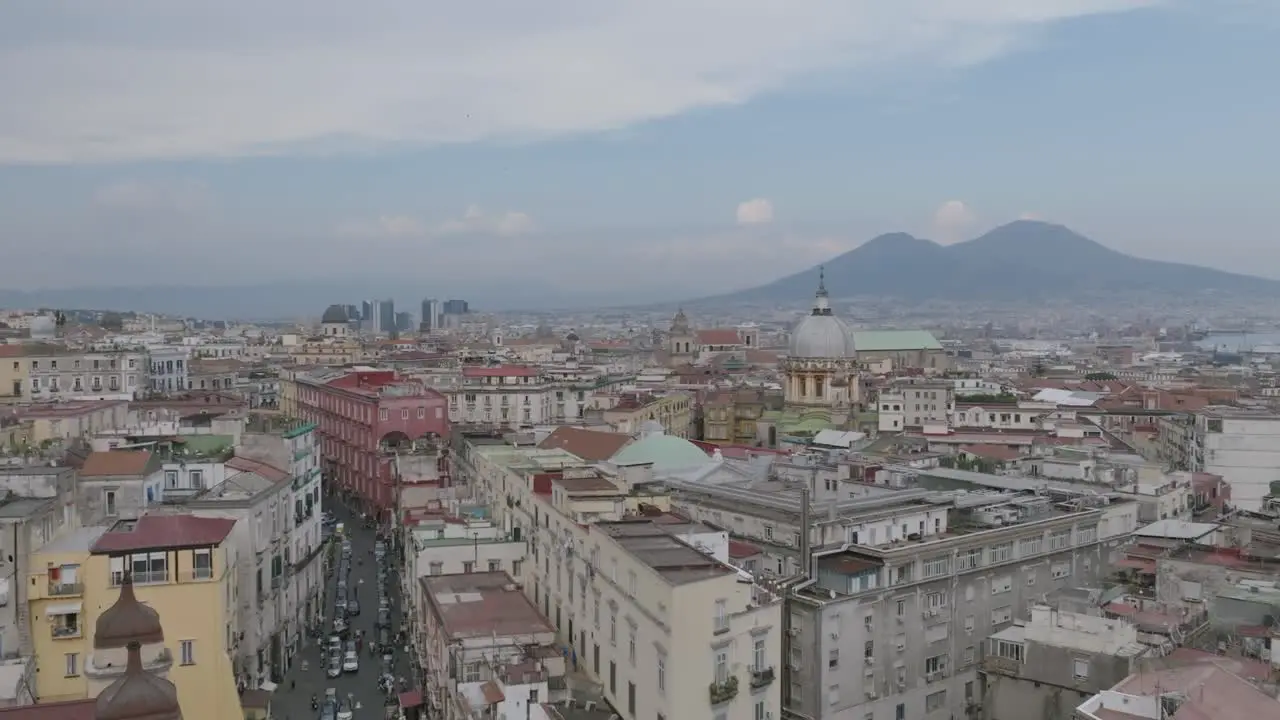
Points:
x=952 y=220
x=157 y=79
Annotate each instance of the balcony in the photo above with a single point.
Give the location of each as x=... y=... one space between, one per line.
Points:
x=64 y=589
x=760 y=677
x=142 y=577
x=1001 y=666
x=723 y=692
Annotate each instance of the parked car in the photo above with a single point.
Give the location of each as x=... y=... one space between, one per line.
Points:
x=340 y=625
x=351 y=661
x=353 y=607
x=334 y=668
x=384 y=618
x=344 y=712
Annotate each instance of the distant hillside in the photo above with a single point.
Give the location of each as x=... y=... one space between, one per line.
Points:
x=1024 y=260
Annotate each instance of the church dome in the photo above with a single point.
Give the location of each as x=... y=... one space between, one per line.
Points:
x=334 y=315
x=127 y=621
x=138 y=695
x=821 y=334
x=664 y=452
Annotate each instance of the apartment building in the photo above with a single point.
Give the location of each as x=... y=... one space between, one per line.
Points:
x=181 y=567
x=276 y=514
x=363 y=416
x=508 y=395
x=1243 y=446
x=169 y=366
x=628 y=411
x=904 y=584
x=663 y=623
x=441 y=544
x=34 y=509
x=60 y=373
x=62 y=422
x=14 y=381
x=118 y=484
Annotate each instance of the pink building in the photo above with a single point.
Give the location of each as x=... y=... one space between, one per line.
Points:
x=364 y=418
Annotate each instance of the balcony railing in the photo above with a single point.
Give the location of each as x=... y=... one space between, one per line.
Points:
x=199 y=574
x=723 y=692
x=1001 y=665
x=761 y=677
x=142 y=577
x=62 y=632
x=63 y=589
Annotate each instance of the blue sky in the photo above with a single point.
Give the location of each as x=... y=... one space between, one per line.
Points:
x=624 y=144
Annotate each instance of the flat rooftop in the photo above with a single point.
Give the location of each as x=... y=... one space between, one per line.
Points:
x=23 y=507
x=654 y=545
x=473 y=605
x=78 y=540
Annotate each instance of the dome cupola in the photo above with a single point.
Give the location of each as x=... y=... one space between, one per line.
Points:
x=127 y=621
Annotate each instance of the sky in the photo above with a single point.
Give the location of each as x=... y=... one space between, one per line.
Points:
x=699 y=145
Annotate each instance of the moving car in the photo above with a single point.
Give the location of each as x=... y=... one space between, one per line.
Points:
x=339 y=625
x=340 y=602
x=334 y=669
x=329 y=709
x=351 y=662
x=353 y=607
x=384 y=618
x=344 y=712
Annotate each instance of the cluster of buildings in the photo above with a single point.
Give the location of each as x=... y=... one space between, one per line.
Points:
x=751 y=522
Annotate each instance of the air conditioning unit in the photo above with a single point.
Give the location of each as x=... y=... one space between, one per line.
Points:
x=869 y=660
x=933 y=613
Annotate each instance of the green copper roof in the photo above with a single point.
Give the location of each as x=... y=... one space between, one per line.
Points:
x=666 y=452
x=886 y=340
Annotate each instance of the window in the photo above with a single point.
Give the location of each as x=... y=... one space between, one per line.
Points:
x=968 y=623
x=613 y=678
x=760 y=712
x=1002 y=552
x=937 y=566
x=935 y=664
x=722 y=616
x=662 y=672
x=437 y=568
x=109 y=502
x=197 y=479
x=188 y=652
x=970 y=654
x=902 y=608
x=934 y=701
x=631 y=698
x=759 y=657
x=721 y=667
x=613 y=628
x=468 y=566
x=1001 y=615
x=170 y=479
x=1007 y=650
x=73 y=664
x=1061 y=570
x=833 y=658
x=382 y=414
x=936 y=600
x=404 y=414
x=496 y=565
x=1087 y=534
x=201 y=564
x=1029 y=546
x=631 y=646
x=422 y=413
x=969 y=560
x=471 y=672
x=1080 y=668
x=1059 y=539
x=833 y=694
x=1001 y=585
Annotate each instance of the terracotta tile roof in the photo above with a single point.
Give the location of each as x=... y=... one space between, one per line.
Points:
x=116 y=463
x=152 y=532
x=11 y=351
x=72 y=710
x=593 y=445
x=739 y=549
x=719 y=336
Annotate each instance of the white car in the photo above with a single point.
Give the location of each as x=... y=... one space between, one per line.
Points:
x=351 y=662
x=344 y=712
x=335 y=667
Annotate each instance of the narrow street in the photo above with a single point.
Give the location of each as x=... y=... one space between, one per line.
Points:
x=292 y=699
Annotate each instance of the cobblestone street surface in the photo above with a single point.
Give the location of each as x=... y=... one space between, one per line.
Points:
x=292 y=699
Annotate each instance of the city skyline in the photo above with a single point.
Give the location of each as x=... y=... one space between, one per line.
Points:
x=720 y=167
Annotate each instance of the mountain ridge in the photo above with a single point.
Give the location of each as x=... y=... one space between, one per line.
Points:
x=1019 y=261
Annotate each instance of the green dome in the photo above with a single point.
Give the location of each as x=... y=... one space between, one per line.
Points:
x=664 y=452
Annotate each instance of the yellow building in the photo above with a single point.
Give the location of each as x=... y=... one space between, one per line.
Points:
x=13 y=375
x=673 y=411
x=287 y=383
x=182 y=567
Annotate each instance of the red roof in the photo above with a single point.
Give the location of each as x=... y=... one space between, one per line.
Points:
x=154 y=532
x=477 y=371
x=739 y=549
x=116 y=463
x=244 y=464
x=72 y=710
x=720 y=336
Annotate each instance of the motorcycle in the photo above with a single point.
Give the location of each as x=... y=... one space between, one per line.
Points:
x=315 y=703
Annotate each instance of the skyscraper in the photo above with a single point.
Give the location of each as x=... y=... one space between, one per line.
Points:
x=456 y=307
x=387 y=316
x=431 y=311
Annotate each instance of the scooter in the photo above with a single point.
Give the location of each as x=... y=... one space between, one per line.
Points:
x=315 y=704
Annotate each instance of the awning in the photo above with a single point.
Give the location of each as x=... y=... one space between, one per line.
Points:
x=267 y=686
x=1139 y=564
x=411 y=699
x=67 y=608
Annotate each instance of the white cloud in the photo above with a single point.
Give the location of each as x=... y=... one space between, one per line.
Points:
x=137 y=196
x=1030 y=216
x=951 y=220
x=158 y=80
x=755 y=212
x=476 y=220
x=404 y=227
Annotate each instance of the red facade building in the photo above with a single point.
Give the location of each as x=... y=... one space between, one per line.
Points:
x=364 y=418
